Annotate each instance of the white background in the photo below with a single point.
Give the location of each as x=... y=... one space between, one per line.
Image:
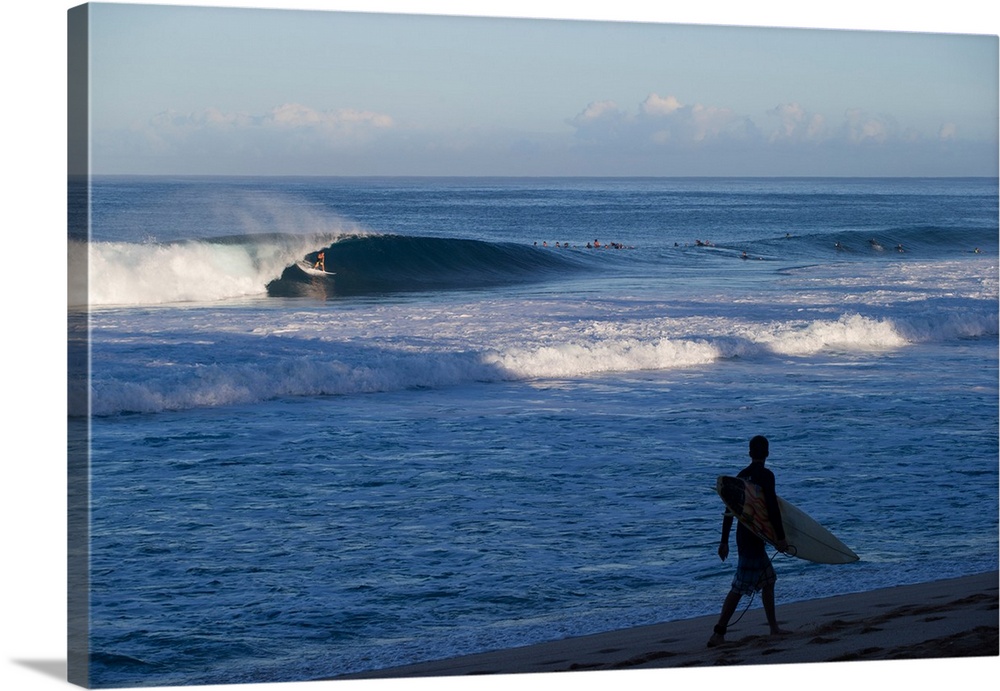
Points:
x=34 y=348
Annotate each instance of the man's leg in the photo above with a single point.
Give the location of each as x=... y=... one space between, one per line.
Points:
x=728 y=609
x=729 y=606
x=767 y=599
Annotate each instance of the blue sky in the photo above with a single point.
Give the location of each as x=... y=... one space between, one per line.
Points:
x=194 y=90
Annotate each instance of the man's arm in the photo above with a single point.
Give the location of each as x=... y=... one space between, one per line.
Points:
x=727 y=526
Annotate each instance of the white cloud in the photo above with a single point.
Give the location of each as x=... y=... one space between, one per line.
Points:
x=214 y=140
x=660 y=120
x=662 y=135
x=657 y=105
x=601 y=121
x=599 y=110
x=795 y=123
x=860 y=127
x=658 y=135
x=298 y=115
x=711 y=122
x=292 y=124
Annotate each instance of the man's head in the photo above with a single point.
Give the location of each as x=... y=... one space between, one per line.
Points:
x=758 y=448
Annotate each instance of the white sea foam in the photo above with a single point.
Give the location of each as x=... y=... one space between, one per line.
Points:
x=580 y=359
x=123 y=273
x=314 y=352
x=849 y=332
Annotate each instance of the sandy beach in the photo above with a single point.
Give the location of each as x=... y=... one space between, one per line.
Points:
x=941 y=619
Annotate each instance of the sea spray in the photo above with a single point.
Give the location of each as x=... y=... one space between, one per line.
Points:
x=153 y=273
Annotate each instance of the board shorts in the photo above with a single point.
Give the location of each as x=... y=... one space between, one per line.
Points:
x=752 y=574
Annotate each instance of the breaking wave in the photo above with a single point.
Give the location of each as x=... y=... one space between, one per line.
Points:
x=124 y=273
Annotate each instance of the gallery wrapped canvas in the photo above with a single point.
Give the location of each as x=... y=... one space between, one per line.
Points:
x=395 y=339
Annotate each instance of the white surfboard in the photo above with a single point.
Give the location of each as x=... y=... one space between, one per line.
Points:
x=308 y=268
x=806 y=538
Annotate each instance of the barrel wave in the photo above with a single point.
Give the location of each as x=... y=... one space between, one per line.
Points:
x=378 y=264
x=241 y=266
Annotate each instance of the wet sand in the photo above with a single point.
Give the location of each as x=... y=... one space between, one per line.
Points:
x=951 y=618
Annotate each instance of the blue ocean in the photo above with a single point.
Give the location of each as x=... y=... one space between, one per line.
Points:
x=499 y=421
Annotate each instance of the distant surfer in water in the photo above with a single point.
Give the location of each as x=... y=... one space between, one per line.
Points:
x=320 y=261
x=753 y=570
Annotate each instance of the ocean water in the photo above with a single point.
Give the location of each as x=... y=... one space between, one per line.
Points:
x=471 y=437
